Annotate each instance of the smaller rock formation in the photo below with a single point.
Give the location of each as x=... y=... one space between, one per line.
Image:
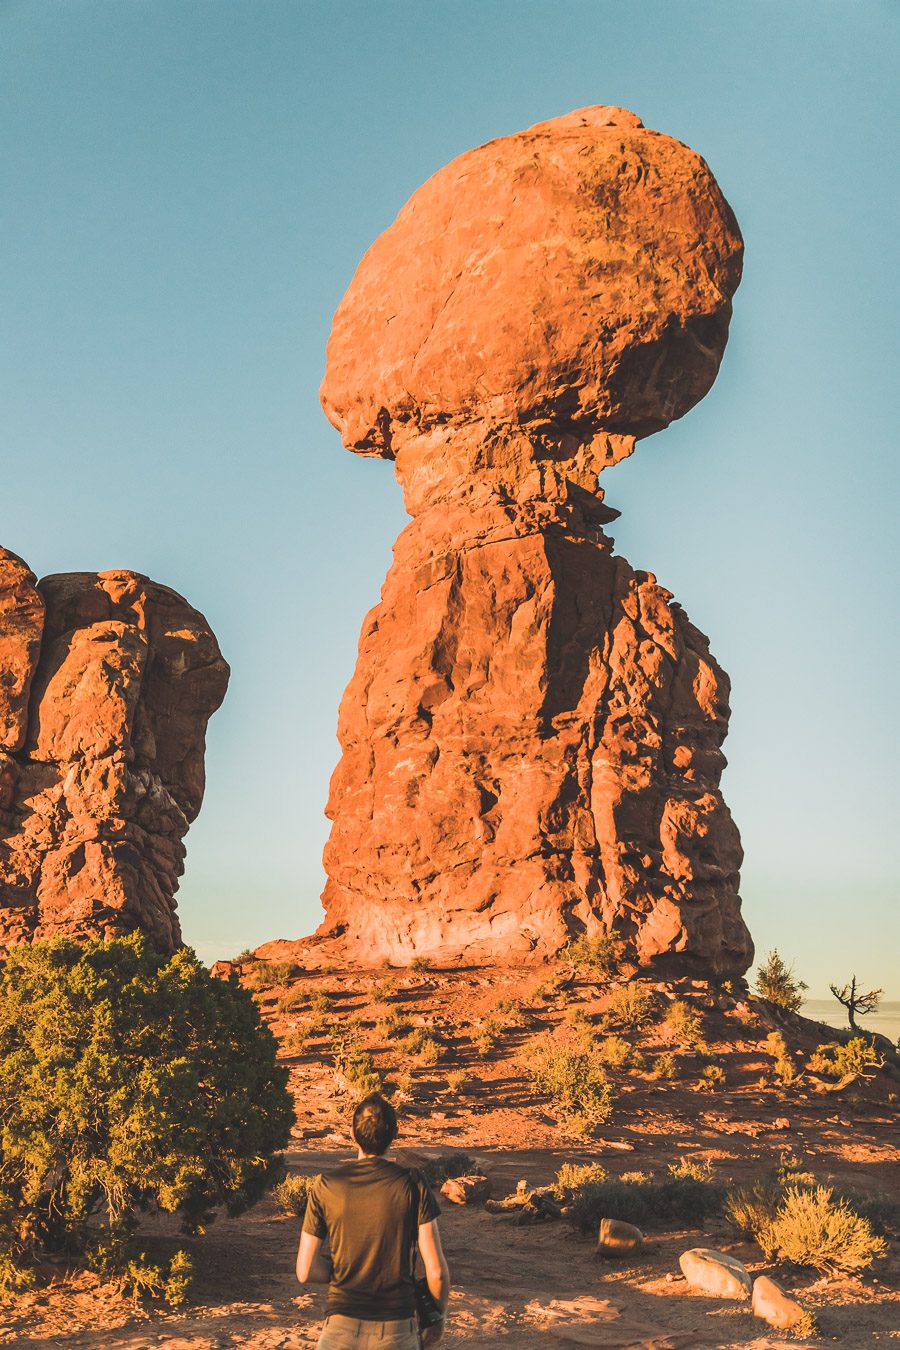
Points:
x=107 y=683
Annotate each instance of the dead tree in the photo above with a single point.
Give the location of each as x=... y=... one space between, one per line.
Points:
x=857 y=1002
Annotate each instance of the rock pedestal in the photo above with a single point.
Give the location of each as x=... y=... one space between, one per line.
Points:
x=532 y=737
x=106 y=686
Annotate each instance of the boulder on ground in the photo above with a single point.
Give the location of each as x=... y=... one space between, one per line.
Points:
x=773 y=1305
x=715 y=1273
x=467 y=1190
x=619 y=1239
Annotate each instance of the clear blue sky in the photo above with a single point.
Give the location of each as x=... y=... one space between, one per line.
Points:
x=188 y=186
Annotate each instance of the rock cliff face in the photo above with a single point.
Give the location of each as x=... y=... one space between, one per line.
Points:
x=106 y=686
x=532 y=737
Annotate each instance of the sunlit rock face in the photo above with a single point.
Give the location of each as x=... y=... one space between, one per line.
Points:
x=107 y=683
x=532 y=736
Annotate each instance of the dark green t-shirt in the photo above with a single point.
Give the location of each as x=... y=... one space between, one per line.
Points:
x=370 y=1211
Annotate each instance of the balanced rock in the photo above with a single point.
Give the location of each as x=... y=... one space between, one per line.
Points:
x=107 y=682
x=531 y=741
x=715 y=1273
x=617 y=1238
x=773 y=1305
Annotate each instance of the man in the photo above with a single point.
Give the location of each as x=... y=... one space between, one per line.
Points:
x=374 y=1214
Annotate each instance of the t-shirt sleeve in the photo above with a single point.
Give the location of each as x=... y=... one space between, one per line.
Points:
x=428 y=1206
x=314 y=1218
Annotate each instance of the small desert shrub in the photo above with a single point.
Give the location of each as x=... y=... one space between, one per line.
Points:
x=130 y=1081
x=459 y=1082
x=393 y=1027
x=690 y=1170
x=137 y=1275
x=243 y=957
x=685 y=1200
x=292 y=1193
x=682 y=1026
x=486 y=1036
x=631 y=1007
x=295 y=1042
x=420 y=963
x=293 y=1001
x=438 y=1170
x=777 y=983
x=752 y=1208
x=598 y=954
x=811 y=1227
x=614 y=1052
x=711 y=1078
x=321 y=1001
x=317 y=1026
x=427 y=1049
x=806 y=1328
x=785 y=1068
x=665 y=1065
x=360 y=1073
x=353 y=1061
x=381 y=990
x=840 y=1061
x=575 y=1080
x=266 y=974
x=573 y=1177
x=511 y=1012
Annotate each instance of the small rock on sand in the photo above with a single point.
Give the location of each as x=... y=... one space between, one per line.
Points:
x=773 y=1305
x=467 y=1190
x=619 y=1239
x=715 y=1273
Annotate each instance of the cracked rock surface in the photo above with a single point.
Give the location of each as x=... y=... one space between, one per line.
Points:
x=531 y=741
x=107 y=682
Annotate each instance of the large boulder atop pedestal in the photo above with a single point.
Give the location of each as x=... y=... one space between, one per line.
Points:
x=577 y=274
x=531 y=740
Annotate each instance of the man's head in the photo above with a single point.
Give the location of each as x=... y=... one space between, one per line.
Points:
x=374 y=1124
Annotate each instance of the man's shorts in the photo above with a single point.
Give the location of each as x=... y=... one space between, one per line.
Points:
x=348 y=1333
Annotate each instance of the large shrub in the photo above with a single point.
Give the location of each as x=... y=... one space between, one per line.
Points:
x=128 y=1081
x=794 y=1218
x=575 y=1079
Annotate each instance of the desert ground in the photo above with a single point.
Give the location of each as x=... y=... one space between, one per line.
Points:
x=522 y=1285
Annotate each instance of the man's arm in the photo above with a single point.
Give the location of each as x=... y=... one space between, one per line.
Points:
x=312 y=1267
x=437 y=1272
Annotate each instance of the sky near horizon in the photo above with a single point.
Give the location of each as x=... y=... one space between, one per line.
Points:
x=188 y=187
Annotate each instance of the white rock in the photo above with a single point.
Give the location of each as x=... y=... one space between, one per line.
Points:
x=715 y=1273
x=773 y=1305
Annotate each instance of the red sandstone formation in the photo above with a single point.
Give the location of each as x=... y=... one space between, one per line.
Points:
x=531 y=739
x=106 y=686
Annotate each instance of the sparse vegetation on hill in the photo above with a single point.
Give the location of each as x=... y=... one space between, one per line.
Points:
x=599 y=955
x=630 y=1008
x=777 y=983
x=575 y=1079
x=683 y=1027
x=129 y=1081
x=854 y=1057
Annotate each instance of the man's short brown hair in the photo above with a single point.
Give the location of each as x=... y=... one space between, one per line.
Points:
x=374 y=1124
